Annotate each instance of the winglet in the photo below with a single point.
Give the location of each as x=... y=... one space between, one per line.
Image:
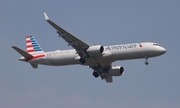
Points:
x=46 y=17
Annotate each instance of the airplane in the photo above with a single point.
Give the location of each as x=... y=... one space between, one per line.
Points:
x=97 y=57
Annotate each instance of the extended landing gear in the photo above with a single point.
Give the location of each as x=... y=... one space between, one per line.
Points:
x=95 y=74
x=97 y=71
x=82 y=61
x=146 y=60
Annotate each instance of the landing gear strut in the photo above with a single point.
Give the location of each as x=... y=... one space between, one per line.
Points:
x=146 y=60
x=82 y=61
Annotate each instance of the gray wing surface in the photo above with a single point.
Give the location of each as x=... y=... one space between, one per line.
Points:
x=73 y=41
x=109 y=79
x=81 y=48
x=23 y=53
x=103 y=67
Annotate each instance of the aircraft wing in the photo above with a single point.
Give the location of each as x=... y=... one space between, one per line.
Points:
x=73 y=41
x=103 y=67
x=109 y=79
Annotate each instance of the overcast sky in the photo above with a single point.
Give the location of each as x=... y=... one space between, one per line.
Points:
x=103 y=22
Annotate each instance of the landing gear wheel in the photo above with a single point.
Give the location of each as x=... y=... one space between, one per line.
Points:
x=146 y=62
x=95 y=74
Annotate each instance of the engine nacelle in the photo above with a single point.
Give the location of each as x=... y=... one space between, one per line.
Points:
x=116 y=71
x=95 y=50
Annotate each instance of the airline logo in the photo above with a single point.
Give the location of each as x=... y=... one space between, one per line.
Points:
x=126 y=46
x=119 y=47
x=140 y=45
x=32 y=45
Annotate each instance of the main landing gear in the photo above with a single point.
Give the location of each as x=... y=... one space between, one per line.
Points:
x=97 y=70
x=82 y=61
x=95 y=74
x=146 y=60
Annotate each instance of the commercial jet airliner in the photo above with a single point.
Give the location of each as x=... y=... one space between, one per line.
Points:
x=97 y=57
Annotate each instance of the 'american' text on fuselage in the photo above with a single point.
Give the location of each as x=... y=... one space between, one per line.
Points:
x=118 y=47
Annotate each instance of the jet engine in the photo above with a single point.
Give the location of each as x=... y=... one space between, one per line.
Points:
x=95 y=50
x=116 y=71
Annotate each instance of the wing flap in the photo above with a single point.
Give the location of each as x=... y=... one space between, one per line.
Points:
x=109 y=79
x=103 y=67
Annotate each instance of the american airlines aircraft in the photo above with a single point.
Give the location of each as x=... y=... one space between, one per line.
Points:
x=97 y=57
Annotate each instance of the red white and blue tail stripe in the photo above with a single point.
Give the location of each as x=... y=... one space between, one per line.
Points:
x=32 y=45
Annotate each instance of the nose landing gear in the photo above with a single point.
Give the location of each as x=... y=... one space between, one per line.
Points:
x=146 y=60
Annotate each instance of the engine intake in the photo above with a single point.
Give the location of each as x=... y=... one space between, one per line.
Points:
x=95 y=50
x=116 y=71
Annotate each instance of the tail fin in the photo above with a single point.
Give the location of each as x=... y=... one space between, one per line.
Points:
x=32 y=45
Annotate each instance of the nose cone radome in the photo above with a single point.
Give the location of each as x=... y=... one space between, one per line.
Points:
x=162 y=50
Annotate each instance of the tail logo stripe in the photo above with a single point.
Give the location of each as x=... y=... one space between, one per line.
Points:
x=32 y=45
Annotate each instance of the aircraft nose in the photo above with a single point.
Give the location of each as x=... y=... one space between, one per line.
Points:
x=162 y=50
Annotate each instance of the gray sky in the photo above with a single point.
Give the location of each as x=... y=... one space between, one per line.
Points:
x=96 y=22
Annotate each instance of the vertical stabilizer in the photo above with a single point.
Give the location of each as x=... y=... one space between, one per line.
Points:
x=32 y=45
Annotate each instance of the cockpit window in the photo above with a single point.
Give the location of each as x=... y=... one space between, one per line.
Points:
x=156 y=44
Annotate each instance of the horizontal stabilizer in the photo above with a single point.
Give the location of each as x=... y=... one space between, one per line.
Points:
x=34 y=65
x=23 y=53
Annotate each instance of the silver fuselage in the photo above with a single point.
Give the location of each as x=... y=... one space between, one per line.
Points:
x=111 y=53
